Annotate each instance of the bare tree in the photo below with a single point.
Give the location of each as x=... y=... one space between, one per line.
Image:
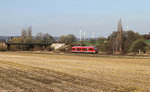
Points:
x=29 y=33
x=39 y=37
x=67 y=39
x=23 y=34
x=47 y=38
x=71 y=38
x=112 y=40
x=62 y=39
x=119 y=37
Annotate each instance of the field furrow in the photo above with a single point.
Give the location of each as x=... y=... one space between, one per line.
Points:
x=28 y=72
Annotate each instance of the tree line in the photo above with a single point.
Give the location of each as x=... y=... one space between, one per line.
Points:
x=40 y=38
x=26 y=37
x=119 y=42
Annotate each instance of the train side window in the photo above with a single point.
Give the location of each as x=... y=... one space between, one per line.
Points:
x=90 y=49
x=73 y=48
x=78 y=49
x=84 y=49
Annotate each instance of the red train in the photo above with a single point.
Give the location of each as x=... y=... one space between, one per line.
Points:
x=84 y=49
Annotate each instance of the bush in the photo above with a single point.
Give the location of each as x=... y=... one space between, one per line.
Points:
x=49 y=48
x=3 y=47
x=105 y=47
x=82 y=43
x=37 y=48
x=92 y=41
x=137 y=45
x=148 y=47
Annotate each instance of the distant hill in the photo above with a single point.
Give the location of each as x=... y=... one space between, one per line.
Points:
x=6 y=38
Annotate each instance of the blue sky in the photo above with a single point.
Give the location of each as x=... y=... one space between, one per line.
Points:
x=58 y=17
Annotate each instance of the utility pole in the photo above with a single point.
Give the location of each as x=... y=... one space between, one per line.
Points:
x=127 y=27
x=84 y=35
x=80 y=34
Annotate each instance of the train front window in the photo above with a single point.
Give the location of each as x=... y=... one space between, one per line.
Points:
x=91 y=49
x=96 y=49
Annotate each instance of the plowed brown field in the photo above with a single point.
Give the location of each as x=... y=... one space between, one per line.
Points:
x=28 y=72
